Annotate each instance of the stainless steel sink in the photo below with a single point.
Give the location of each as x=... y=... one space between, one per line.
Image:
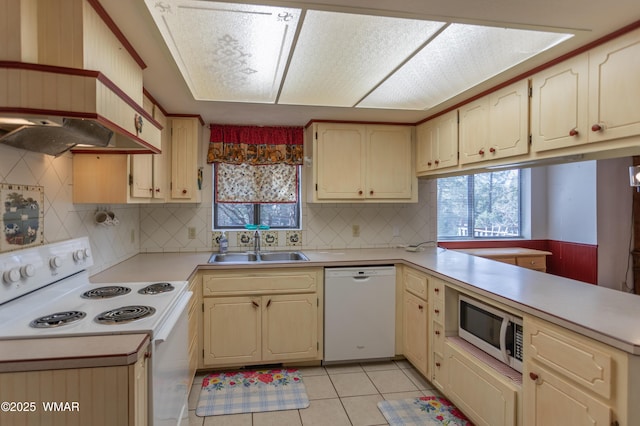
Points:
x=289 y=256
x=272 y=256
x=233 y=258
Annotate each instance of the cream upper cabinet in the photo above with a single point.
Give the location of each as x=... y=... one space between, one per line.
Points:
x=614 y=85
x=370 y=163
x=437 y=143
x=495 y=126
x=186 y=133
x=340 y=159
x=559 y=113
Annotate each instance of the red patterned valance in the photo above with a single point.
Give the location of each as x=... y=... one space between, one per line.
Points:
x=255 y=145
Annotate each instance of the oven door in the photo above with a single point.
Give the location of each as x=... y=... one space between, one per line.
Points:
x=169 y=378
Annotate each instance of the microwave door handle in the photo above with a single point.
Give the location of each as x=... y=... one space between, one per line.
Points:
x=503 y=339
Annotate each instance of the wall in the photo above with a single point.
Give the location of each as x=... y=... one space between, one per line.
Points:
x=63 y=219
x=324 y=226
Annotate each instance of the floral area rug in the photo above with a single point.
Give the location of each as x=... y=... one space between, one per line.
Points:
x=426 y=410
x=233 y=392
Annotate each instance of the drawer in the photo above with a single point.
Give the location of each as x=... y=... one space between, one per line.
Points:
x=532 y=262
x=511 y=260
x=416 y=283
x=437 y=310
x=437 y=290
x=438 y=371
x=582 y=360
x=438 y=337
x=261 y=282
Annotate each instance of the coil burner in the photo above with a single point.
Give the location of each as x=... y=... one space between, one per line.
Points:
x=106 y=292
x=124 y=314
x=58 y=319
x=156 y=288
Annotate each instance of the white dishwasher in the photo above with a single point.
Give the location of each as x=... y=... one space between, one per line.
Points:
x=359 y=313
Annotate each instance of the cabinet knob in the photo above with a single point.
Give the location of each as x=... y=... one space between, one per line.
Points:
x=150 y=189
x=269 y=303
x=437 y=311
x=371 y=192
x=184 y=191
x=437 y=290
x=429 y=163
x=534 y=376
x=437 y=332
x=157 y=189
x=438 y=364
x=420 y=307
x=492 y=150
x=596 y=127
x=481 y=152
x=359 y=192
x=437 y=162
x=255 y=303
x=573 y=132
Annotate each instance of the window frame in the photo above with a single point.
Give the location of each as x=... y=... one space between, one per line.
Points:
x=471 y=214
x=256 y=209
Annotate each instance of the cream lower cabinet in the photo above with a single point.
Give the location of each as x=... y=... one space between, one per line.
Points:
x=415 y=319
x=262 y=317
x=437 y=332
x=485 y=396
x=105 y=396
x=569 y=379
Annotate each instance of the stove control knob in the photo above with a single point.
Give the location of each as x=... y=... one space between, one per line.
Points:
x=12 y=275
x=87 y=253
x=79 y=255
x=55 y=262
x=27 y=271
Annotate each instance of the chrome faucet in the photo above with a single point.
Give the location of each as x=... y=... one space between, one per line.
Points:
x=256 y=242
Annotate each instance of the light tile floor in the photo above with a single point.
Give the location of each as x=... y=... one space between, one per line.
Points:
x=338 y=394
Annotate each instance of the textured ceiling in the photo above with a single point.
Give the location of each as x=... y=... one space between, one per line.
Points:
x=165 y=82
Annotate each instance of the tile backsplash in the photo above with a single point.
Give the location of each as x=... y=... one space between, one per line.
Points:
x=62 y=218
x=165 y=227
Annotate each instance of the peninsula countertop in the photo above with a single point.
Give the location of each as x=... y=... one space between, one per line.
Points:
x=606 y=315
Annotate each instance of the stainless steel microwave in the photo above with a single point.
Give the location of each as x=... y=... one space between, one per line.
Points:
x=496 y=332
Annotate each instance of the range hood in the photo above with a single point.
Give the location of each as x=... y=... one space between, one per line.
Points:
x=50 y=137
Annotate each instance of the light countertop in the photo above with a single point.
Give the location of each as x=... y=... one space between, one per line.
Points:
x=71 y=352
x=607 y=315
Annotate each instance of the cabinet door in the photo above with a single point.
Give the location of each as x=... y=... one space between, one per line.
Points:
x=474 y=131
x=437 y=143
x=559 y=105
x=486 y=397
x=140 y=392
x=160 y=160
x=184 y=158
x=389 y=158
x=552 y=400
x=142 y=175
x=415 y=331
x=232 y=330
x=509 y=121
x=614 y=85
x=341 y=161
x=289 y=327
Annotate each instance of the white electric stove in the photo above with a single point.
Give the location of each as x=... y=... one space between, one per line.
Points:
x=45 y=292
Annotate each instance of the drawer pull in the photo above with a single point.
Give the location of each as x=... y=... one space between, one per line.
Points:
x=269 y=303
x=255 y=303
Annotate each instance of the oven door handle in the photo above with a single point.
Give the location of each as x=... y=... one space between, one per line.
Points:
x=173 y=318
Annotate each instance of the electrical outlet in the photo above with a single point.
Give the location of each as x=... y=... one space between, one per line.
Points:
x=355 y=230
x=191 y=233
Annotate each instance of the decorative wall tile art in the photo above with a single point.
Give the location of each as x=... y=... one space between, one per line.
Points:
x=294 y=238
x=22 y=216
x=269 y=239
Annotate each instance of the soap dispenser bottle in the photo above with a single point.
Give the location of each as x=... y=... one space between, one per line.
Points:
x=224 y=243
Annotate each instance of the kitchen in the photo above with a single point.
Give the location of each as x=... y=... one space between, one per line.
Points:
x=164 y=228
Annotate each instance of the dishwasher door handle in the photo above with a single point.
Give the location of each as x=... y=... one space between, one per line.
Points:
x=360 y=277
